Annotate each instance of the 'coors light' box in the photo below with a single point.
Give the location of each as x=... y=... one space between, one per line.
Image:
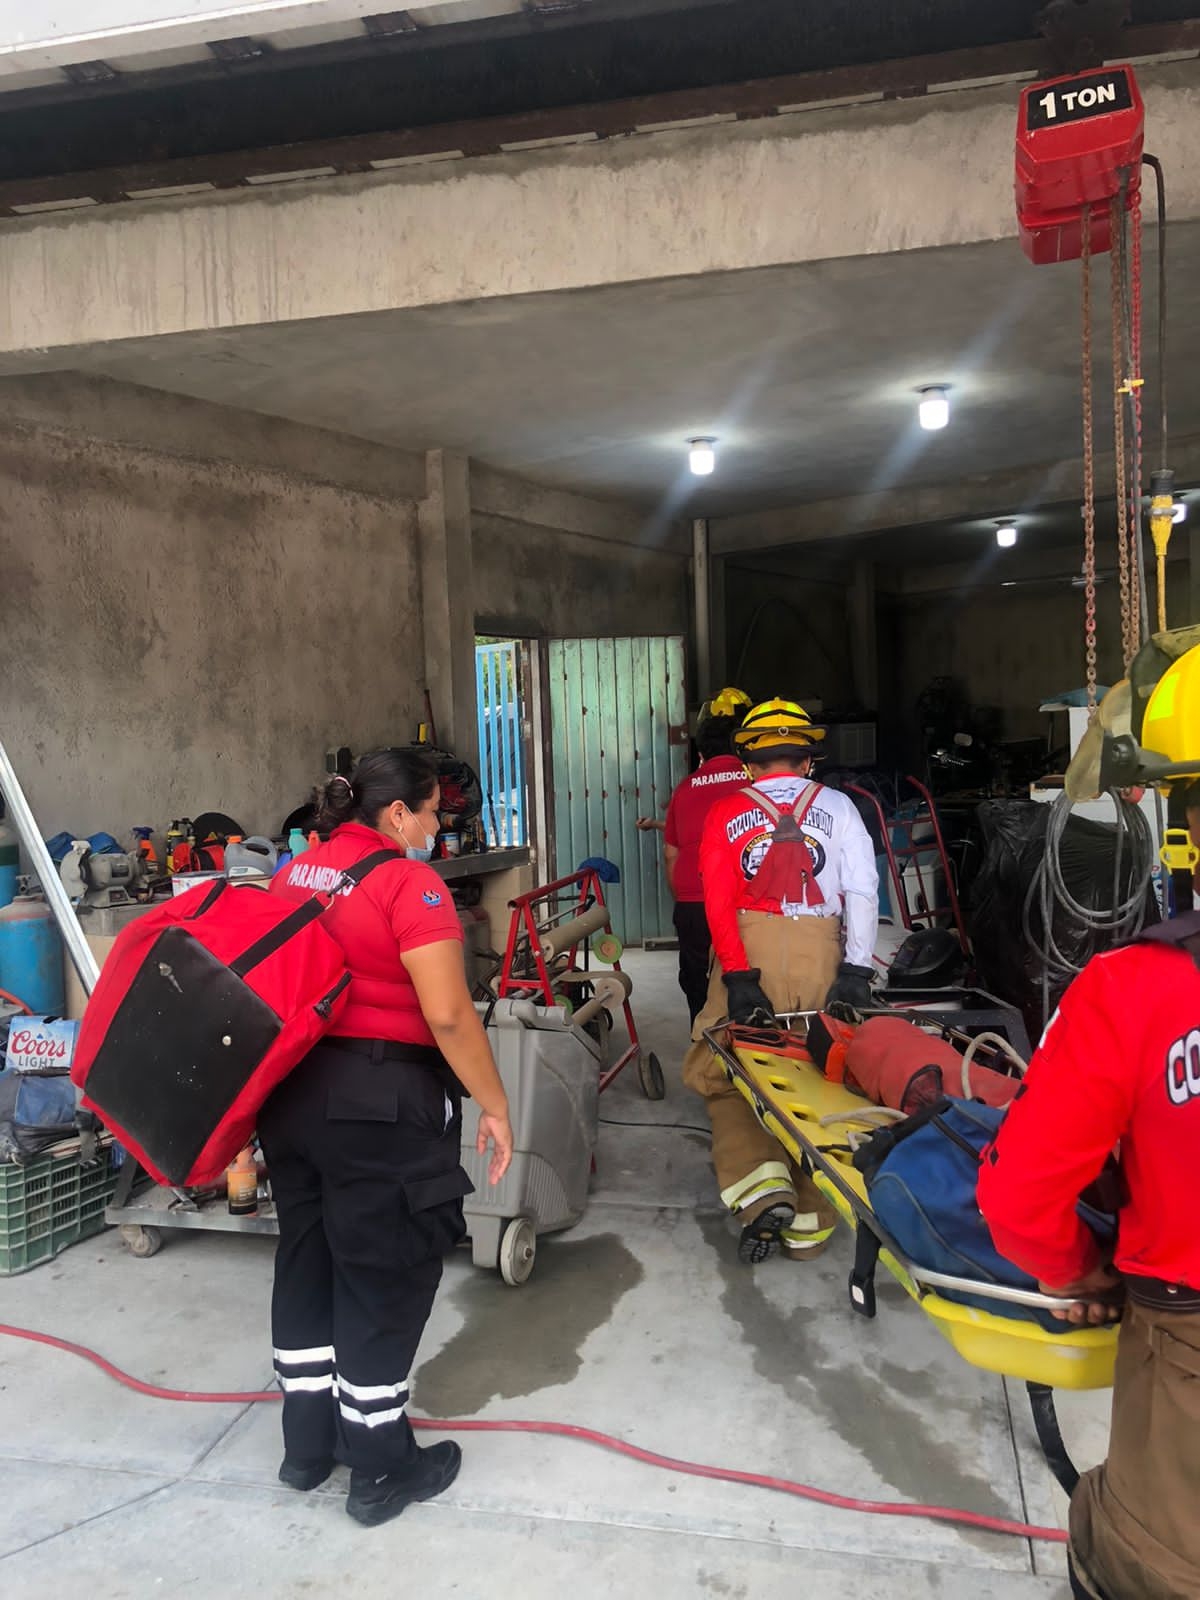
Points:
x=41 y=1044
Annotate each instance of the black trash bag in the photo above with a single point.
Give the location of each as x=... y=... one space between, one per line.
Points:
x=1008 y=962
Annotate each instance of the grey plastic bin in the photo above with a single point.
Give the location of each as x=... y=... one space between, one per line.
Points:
x=551 y=1074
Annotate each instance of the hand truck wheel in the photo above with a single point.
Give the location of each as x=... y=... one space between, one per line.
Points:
x=654 y=1085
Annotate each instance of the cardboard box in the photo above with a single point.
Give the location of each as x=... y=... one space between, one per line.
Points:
x=41 y=1044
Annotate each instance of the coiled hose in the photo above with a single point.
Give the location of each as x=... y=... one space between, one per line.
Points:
x=1116 y=923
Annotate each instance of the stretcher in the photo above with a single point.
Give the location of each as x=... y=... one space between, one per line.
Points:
x=818 y=1123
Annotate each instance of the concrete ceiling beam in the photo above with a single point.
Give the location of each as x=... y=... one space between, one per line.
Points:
x=967 y=499
x=677 y=204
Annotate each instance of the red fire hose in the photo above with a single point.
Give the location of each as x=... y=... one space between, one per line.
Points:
x=569 y=1430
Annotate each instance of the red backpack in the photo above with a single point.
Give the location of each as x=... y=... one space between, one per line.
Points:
x=204 y=1006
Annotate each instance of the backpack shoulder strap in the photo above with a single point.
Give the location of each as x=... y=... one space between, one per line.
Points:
x=760 y=799
x=354 y=875
x=805 y=802
x=315 y=906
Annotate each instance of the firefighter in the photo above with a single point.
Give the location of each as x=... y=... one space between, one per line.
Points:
x=719 y=772
x=1119 y=1068
x=791 y=895
x=362 y=1144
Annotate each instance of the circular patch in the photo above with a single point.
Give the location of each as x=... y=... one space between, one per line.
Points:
x=755 y=850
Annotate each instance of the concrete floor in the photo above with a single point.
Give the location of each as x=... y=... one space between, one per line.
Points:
x=638 y=1322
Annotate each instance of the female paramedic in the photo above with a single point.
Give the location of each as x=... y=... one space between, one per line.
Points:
x=362 y=1143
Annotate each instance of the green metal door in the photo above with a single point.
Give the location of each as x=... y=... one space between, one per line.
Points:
x=618 y=725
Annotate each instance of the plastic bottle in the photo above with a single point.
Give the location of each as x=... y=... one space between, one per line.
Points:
x=31 y=956
x=8 y=861
x=254 y=855
x=177 y=834
x=143 y=845
x=297 y=843
x=241 y=1184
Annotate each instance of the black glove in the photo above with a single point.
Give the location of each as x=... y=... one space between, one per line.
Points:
x=748 y=1005
x=850 y=990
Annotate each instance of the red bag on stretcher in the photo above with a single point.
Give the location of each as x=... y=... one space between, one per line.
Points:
x=896 y=1063
x=203 y=1007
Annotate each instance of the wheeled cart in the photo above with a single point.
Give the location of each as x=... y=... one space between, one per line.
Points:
x=551 y=1070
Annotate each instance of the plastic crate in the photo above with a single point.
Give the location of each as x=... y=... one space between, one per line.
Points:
x=49 y=1204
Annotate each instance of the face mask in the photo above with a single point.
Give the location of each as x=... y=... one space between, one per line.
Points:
x=413 y=853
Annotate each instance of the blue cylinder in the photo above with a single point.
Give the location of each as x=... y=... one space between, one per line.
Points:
x=31 y=957
x=8 y=863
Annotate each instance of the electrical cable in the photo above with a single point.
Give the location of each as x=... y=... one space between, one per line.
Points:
x=1120 y=922
x=683 y=1127
x=570 y=1430
x=1160 y=187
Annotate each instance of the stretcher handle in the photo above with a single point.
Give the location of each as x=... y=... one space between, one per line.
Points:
x=998 y=1042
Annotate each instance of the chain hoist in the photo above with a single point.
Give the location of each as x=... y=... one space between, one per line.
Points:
x=1078 y=183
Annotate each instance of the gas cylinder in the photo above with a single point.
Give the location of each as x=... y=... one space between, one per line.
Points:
x=31 y=956
x=8 y=861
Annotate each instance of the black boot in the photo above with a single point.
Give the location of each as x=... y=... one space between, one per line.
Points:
x=374 y=1500
x=304 y=1475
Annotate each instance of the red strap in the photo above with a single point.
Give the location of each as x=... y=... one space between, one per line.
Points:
x=800 y=810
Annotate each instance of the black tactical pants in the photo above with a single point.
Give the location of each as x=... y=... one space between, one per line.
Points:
x=363 y=1152
x=695 y=953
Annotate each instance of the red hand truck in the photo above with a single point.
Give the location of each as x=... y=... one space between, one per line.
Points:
x=548 y=959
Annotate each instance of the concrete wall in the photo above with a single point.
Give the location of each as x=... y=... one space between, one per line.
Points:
x=178 y=635
x=787 y=635
x=1010 y=648
x=555 y=565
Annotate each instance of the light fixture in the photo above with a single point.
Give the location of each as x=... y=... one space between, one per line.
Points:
x=934 y=410
x=1180 y=512
x=1006 y=534
x=702 y=456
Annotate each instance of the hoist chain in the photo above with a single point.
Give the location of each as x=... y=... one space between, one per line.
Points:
x=1121 y=374
x=1089 y=467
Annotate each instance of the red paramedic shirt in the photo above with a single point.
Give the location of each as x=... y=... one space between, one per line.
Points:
x=397 y=908
x=1120 y=1062
x=690 y=804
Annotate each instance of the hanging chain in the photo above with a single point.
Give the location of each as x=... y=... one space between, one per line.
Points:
x=1120 y=390
x=1089 y=467
x=1137 y=383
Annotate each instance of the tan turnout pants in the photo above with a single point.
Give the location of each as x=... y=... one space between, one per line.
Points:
x=798 y=958
x=1135 y=1521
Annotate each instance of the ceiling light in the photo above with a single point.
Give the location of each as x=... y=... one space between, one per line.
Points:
x=934 y=409
x=702 y=456
x=1180 y=512
x=1006 y=535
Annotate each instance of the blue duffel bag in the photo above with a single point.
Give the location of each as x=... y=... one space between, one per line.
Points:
x=921 y=1176
x=36 y=1110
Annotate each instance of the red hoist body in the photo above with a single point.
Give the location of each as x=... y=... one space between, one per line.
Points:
x=1079 y=139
